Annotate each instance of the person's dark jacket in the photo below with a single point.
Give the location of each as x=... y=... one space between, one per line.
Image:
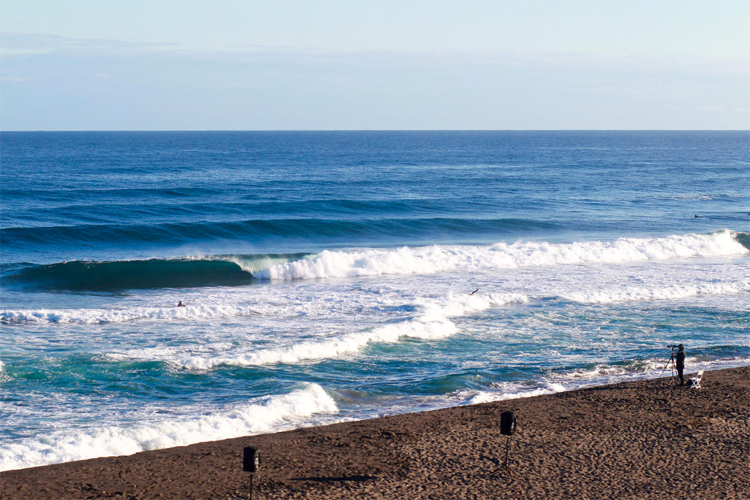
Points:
x=681 y=358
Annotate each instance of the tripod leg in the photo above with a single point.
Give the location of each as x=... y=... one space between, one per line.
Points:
x=665 y=368
x=670 y=362
x=251 y=486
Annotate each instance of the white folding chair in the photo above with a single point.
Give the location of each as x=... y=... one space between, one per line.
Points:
x=695 y=382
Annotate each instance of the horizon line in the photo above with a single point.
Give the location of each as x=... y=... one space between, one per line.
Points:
x=366 y=130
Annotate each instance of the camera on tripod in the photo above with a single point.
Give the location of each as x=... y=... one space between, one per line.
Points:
x=673 y=346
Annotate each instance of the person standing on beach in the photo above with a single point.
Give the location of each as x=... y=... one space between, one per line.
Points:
x=680 y=364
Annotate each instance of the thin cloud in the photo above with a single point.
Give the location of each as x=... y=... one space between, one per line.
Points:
x=32 y=44
x=14 y=79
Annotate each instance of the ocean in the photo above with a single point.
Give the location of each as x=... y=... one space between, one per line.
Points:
x=337 y=276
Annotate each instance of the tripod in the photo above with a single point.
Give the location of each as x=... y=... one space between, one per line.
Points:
x=670 y=363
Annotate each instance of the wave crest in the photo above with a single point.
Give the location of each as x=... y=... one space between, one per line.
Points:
x=434 y=259
x=272 y=415
x=229 y=270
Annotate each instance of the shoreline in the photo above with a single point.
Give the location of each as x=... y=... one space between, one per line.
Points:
x=639 y=439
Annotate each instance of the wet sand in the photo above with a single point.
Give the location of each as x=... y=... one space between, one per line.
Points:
x=648 y=439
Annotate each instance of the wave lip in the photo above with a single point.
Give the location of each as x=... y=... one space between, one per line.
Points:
x=276 y=413
x=435 y=259
x=188 y=272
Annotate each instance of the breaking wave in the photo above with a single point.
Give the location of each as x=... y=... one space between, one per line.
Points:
x=434 y=259
x=239 y=270
x=273 y=414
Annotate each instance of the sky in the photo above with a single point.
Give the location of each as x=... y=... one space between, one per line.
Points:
x=374 y=65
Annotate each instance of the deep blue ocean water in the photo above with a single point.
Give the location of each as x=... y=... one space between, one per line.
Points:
x=328 y=276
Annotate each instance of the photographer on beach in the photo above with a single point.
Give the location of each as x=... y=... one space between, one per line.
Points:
x=680 y=362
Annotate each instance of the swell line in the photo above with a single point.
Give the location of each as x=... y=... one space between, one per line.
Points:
x=260 y=229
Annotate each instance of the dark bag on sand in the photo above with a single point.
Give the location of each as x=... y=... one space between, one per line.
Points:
x=251 y=462
x=507 y=423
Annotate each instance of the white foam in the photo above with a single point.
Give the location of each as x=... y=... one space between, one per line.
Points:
x=514 y=391
x=642 y=293
x=103 y=316
x=433 y=322
x=272 y=415
x=310 y=351
x=434 y=259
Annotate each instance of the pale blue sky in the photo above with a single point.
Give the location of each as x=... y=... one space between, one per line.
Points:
x=368 y=64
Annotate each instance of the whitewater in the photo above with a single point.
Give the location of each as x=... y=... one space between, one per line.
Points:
x=330 y=277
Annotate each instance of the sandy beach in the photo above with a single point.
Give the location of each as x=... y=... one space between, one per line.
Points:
x=636 y=440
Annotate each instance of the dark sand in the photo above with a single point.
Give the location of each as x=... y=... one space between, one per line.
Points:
x=636 y=440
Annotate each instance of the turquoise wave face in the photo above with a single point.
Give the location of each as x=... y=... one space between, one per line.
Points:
x=115 y=276
x=142 y=274
x=744 y=239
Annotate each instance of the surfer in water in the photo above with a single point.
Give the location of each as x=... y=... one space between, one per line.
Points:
x=180 y=304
